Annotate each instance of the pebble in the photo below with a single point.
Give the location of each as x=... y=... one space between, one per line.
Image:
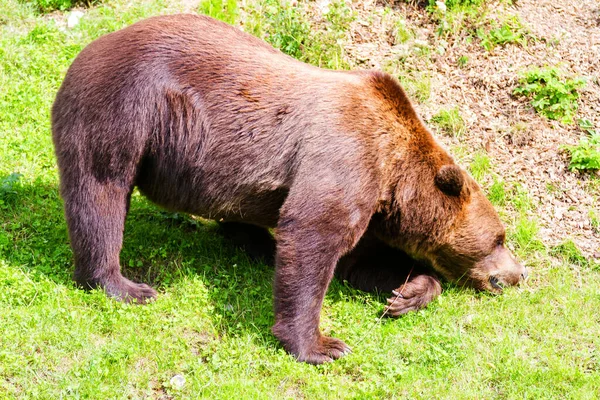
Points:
x=74 y=18
x=177 y=381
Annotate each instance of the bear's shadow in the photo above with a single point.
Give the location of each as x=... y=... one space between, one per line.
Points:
x=160 y=248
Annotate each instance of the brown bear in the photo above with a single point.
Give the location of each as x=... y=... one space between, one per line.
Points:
x=206 y=119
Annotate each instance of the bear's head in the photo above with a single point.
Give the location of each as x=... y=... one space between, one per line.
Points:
x=442 y=217
x=431 y=208
x=472 y=248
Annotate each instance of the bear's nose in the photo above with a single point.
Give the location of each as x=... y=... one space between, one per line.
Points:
x=524 y=274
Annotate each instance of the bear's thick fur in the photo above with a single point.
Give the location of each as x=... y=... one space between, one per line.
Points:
x=208 y=120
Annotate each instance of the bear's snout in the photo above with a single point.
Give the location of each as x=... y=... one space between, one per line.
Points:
x=503 y=270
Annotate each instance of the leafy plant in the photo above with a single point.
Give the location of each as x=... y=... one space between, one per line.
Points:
x=551 y=95
x=586 y=154
x=8 y=183
x=224 y=10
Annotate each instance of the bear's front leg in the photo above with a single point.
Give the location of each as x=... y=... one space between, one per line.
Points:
x=374 y=266
x=308 y=249
x=419 y=290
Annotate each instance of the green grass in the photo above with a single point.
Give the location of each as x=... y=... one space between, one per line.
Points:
x=450 y=122
x=211 y=320
x=480 y=166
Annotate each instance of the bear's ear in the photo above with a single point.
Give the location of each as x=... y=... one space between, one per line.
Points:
x=450 y=179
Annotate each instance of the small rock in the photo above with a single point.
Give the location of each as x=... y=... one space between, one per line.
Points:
x=74 y=18
x=421 y=43
x=177 y=381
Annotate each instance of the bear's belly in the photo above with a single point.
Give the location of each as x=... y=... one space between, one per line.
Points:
x=212 y=191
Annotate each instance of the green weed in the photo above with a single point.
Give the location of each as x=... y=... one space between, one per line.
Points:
x=552 y=188
x=551 y=95
x=224 y=10
x=509 y=31
x=462 y=61
x=454 y=17
x=417 y=85
x=450 y=121
x=402 y=33
x=459 y=4
x=594 y=220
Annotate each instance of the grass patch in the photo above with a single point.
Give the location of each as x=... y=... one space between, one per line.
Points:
x=570 y=253
x=450 y=121
x=417 y=85
x=223 y=10
x=455 y=17
x=401 y=32
x=480 y=166
x=525 y=235
x=497 y=192
x=521 y=200
x=46 y=6
x=291 y=29
x=551 y=94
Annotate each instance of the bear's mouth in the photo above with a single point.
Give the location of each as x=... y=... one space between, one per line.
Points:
x=496 y=283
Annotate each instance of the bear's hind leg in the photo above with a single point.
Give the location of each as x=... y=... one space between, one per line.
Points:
x=96 y=217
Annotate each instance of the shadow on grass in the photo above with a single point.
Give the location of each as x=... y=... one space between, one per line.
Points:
x=160 y=248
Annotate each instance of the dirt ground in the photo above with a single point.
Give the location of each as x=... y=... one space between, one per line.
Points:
x=524 y=147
